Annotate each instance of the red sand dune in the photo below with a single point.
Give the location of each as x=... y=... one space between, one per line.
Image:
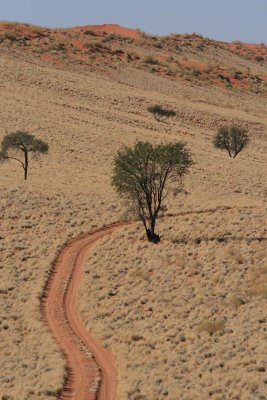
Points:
x=110 y=28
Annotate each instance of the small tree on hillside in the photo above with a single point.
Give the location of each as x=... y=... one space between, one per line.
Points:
x=15 y=143
x=161 y=114
x=144 y=175
x=232 y=139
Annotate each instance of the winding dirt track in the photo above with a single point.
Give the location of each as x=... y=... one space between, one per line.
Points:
x=91 y=372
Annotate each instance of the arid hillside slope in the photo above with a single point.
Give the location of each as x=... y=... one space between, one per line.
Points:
x=187 y=318
x=189 y=58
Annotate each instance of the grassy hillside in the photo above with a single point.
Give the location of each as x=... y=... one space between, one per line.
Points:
x=188 y=318
x=190 y=58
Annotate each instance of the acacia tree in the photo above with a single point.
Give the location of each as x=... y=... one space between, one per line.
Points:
x=232 y=139
x=161 y=114
x=18 y=142
x=144 y=175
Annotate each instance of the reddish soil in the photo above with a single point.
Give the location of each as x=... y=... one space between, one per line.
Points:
x=110 y=28
x=85 y=356
x=93 y=45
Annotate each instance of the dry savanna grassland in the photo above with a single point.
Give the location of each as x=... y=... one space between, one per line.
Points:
x=187 y=318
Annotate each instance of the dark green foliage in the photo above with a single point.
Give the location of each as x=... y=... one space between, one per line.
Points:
x=144 y=175
x=24 y=142
x=232 y=139
x=161 y=114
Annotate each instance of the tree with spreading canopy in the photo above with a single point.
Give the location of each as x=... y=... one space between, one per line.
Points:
x=161 y=114
x=233 y=139
x=15 y=143
x=145 y=175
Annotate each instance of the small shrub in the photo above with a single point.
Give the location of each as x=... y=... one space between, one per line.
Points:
x=89 y=32
x=259 y=59
x=211 y=327
x=158 y=45
x=97 y=46
x=139 y=274
x=151 y=60
x=136 y=338
x=235 y=301
x=223 y=77
x=114 y=36
x=118 y=51
x=55 y=393
x=132 y=56
x=9 y=36
x=58 y=46
x=237 y=75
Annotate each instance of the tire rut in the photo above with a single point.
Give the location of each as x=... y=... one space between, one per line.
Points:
x=90 y=373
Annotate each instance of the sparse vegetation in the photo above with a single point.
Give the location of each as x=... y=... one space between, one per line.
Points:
x=211 y=327
x=160 y=293
x=145 y=175
x=43 y=42
x=151 y=60
x=232 y=139
x=258 y=287
x=58 y=46
x=235 y=301
x=8 y=36
x=21 y=142
x=259 y=58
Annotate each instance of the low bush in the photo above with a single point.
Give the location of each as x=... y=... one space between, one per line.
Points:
x=151 y=60
x=211 y=327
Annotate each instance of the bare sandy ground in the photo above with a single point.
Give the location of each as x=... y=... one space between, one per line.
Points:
x=140 y=302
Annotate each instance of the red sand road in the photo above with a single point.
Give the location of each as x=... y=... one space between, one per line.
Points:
x=91 y=372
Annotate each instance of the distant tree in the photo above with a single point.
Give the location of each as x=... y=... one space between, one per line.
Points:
x=15 y=143
x=232 y=139
x=144 y=175
x=161 y=114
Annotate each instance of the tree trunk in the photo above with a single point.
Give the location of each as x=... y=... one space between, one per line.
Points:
x=151 y=235
x=26 y=164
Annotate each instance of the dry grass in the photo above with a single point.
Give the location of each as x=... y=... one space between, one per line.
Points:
x=143 y=302
x=258 y=288
x=192 y=58
x=211 y=327
x=160 y=301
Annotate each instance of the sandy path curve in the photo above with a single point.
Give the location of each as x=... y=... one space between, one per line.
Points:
x=91 y=373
